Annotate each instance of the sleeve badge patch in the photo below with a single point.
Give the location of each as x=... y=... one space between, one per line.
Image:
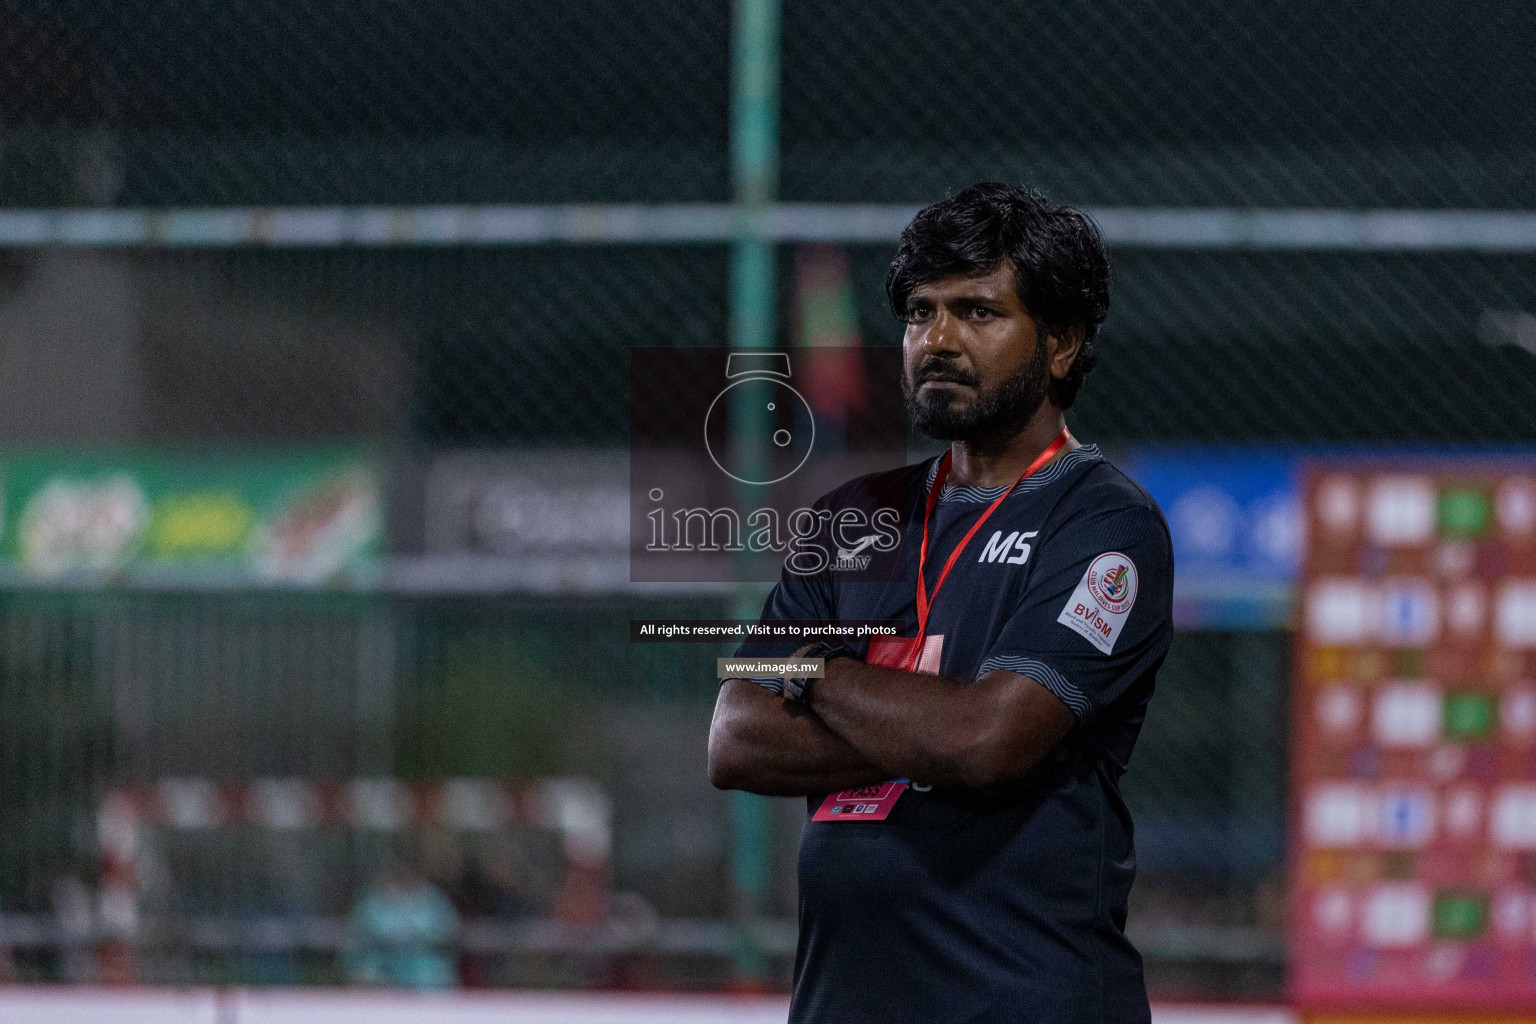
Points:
x=1099 y=606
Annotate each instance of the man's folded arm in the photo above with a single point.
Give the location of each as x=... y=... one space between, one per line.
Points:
x=935 y=730
x=1045 y=670
x=762 y=744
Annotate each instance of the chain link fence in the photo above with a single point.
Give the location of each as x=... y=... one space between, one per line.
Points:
x=429 y=337
x=1194 y=103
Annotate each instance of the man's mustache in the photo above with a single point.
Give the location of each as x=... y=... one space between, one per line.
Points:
x=939 y=372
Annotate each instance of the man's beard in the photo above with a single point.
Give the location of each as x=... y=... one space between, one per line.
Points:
x=996 y=414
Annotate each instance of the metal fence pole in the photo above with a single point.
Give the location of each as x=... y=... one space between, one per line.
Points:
x=754 y=173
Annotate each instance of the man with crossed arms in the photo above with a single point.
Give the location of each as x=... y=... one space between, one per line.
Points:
x=968 y=856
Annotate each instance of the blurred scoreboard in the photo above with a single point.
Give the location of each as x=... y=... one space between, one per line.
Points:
x=1413 y=826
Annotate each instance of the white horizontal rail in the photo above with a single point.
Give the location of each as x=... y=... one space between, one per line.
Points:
x=86 y=1005
x=681 y=936
x=1501 y=231
x=225 y=934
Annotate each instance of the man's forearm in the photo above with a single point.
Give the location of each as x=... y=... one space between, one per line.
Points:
x=761 y=744
x=936 y=730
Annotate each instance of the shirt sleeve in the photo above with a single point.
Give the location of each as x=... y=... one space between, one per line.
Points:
x=795 y=596
x=1096 y=614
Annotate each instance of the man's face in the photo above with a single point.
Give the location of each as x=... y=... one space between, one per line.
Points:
x=975 y=368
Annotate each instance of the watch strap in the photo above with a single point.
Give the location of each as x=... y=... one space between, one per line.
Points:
x=798 y=687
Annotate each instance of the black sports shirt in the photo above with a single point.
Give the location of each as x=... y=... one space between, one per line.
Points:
x=979 y=907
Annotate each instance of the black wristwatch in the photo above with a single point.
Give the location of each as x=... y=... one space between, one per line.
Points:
x=799 y=687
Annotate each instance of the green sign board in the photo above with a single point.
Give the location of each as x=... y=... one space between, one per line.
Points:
x=309 y=517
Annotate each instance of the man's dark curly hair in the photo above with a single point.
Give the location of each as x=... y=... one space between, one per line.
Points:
x=1057 y=255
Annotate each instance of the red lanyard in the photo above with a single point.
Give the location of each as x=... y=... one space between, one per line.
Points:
x=924 y=602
